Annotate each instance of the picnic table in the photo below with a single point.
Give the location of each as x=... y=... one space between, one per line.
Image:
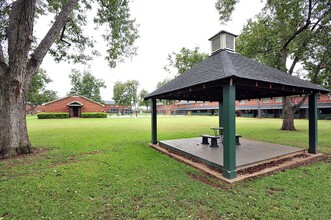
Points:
x=218 y=134
x=218 y=131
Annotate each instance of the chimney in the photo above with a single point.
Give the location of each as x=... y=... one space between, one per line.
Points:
x=223 y=40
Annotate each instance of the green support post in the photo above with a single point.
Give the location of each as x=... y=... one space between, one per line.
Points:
x=220 y=112
x=229 y=125
x=313 y=146
x=154 y=122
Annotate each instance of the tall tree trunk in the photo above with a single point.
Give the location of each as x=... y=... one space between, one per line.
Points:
x=13 y=136
x=288 y=115
x=17 y=72
x=259 y=109
x=14 y=80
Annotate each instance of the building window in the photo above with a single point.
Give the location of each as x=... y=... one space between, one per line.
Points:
x=266 y=100
x=278 y=99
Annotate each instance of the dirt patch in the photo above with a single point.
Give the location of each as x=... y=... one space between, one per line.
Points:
x=6 y=215
x=254 y=169
x=93 y=152
x=258 y=168
x=310 y=161
x=272 y=190
x=71 y=159
x=25 y=158
x=205 y=180
x=328 y=158
x=35 y=152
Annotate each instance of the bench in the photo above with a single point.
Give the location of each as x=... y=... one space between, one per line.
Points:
x=212 y=138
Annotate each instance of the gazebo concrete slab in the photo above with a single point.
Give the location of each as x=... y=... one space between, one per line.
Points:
x=249 y=153
x=290 y=162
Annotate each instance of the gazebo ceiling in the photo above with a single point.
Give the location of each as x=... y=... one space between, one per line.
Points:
x=205 y=81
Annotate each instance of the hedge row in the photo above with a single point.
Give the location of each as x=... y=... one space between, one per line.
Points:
x=93 y=115
x=47 y=115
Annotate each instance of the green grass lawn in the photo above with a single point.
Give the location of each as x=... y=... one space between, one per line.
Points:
x=104 y=169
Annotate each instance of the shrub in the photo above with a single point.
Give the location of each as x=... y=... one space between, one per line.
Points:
x=49 y=115
x=93 y=115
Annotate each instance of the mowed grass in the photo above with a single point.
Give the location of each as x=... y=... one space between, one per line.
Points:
x=104 y=169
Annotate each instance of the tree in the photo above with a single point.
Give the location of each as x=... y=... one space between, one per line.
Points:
x=21 y=53
x=184 y=60
x=143 y=93
x=119 y=94
x=159 y=85
x=296 y=31
x=316 y=61
x=38 y=93
x=180 y=62
x=132 y=89
x=85 y=84
x=125 y=93
x=162 y=83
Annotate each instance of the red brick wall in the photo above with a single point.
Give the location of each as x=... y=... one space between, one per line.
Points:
x=196 y=104
x=62 y=105
x=294 y=100
x=253 y=102
x=325 y=98
x=107 y=107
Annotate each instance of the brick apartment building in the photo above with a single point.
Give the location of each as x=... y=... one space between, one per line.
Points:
x=269 y=107
x=112 y=108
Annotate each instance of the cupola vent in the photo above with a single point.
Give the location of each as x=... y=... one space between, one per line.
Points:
x=223 y=40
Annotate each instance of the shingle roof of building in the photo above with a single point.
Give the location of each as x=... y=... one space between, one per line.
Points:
x=72 y=95
x=225 y=65
x=221 y=32
x=109 y=102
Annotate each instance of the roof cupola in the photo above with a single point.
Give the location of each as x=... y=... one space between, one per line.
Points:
x=223 y=40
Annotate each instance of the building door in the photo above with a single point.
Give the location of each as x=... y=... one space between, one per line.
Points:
x=75 y=111
x=75 y=108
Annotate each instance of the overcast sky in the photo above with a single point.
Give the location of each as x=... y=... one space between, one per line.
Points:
x=165 y=26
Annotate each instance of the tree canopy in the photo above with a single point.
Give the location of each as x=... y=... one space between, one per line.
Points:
x=73 y=41
x=38 y=93
x=125 y=93
x=184 y=59
x=162 y=83
x=296 y=31
x=87 y=85
x=143 y=93
x=180 y=62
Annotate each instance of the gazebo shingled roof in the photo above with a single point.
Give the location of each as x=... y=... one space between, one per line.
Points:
x=253 y=79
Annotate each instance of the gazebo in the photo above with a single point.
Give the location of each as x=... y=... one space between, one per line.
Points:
x=226 y=76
